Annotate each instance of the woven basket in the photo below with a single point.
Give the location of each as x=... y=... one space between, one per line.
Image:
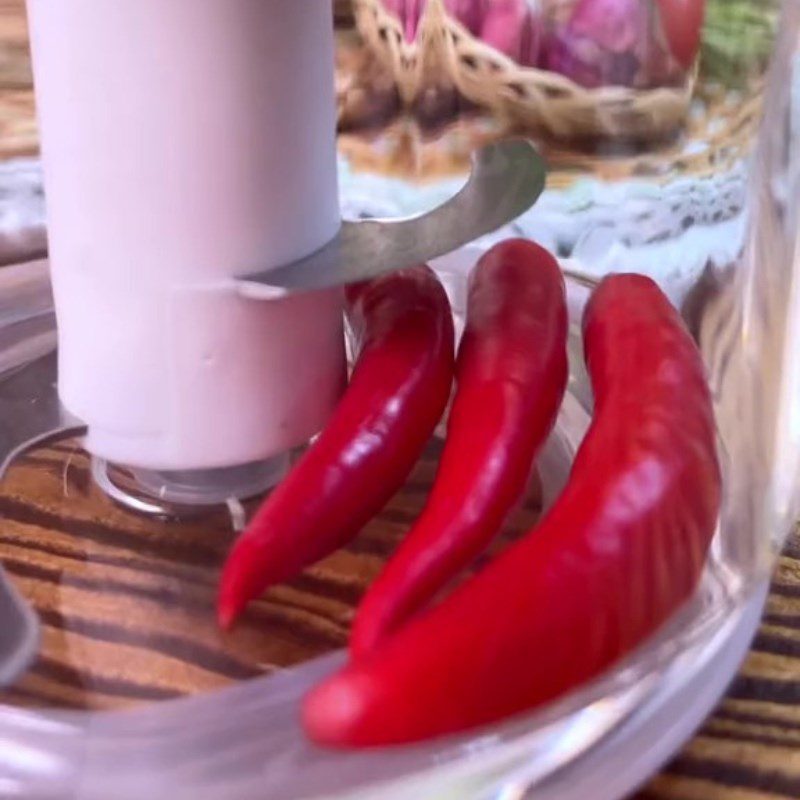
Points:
x=535 y=98
x=413 y=65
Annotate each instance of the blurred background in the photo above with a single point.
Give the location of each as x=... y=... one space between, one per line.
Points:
x=646 y=126
x=17 y=124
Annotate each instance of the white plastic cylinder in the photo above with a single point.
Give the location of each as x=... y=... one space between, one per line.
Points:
x=185 y=142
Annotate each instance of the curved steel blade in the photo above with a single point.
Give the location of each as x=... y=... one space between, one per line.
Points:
x=506 y=180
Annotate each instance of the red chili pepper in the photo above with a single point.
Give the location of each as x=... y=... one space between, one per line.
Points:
x=511 y=373
x=620 y=551
x=398 y=391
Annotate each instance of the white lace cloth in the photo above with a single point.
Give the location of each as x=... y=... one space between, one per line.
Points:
x=22 y=217
x=671 y=232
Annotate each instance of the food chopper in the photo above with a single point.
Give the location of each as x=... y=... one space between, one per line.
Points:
x=207 y=458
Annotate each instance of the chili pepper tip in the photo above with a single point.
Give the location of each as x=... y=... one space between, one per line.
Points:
x=333 y=712
x=226 y=617
x=230 y=605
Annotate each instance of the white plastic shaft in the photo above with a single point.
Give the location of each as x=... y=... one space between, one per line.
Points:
x=186 y=141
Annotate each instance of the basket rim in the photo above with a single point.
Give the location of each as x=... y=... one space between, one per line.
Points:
x=611 y=92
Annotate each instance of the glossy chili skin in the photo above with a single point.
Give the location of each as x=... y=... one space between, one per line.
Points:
x=396 y=396
x=622 y=548
x=511 y=373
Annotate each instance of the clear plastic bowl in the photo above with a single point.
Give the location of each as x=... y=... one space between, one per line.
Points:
x=135 y=693
x=133 y=690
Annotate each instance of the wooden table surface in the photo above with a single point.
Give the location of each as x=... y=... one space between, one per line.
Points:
x=749 y=749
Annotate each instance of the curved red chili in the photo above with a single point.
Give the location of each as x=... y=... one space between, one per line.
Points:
x=511 y=373
x=622 y=548
x=398 y=391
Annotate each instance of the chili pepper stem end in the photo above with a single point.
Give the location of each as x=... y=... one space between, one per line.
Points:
x=332 y=710
x=228 y=612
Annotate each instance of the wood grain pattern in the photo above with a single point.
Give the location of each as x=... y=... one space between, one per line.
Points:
x=15 y=65
x=18 y=131
x=750 y=748
x=127 y=602
x=127 y=608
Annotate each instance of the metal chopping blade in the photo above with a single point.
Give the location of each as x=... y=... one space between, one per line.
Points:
x=507 y=179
